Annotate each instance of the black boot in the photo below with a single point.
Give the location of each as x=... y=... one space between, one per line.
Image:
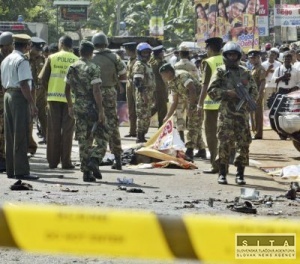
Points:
x=140 y=138
x=201 y=154
x=93 y=165
x=88 y=177
x=240 y=175
x=222 y=174
x=117 y=164
x=189 y=153
x=181 y=134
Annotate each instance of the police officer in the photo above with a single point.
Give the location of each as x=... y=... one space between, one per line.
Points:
x=113 y=71
x=6 y=47
x=144 y=83
x=233 y=125
x=185 y=86
x=206 y=104
x=259 y=75
x=60 y=126
x=36 y=61
x=83 y=79
x=130 y=48
x=16 y=79
x=161 y=91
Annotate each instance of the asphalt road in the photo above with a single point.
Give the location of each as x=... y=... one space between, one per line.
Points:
x=167 y=191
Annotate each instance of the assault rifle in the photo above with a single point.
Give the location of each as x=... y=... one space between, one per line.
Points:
x=245 y=97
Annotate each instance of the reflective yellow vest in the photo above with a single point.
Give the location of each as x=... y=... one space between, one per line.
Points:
x=213 y=63
x=60 y=63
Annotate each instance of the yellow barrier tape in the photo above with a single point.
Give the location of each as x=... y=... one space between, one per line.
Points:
x=140 y=234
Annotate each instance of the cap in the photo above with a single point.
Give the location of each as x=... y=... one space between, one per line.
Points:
x=38 y=43
x=166 y=67
x=127 y=44
x=86 y=43
x=158 y=49
x=284 y=47
x=268 y=46
x=217 y=41
x=252 y=53
x=184 y=48
x=276 y=50
x=21 y=38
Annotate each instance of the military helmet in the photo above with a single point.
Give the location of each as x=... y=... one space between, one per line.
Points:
x=231 y=47
x=6 y=38
x=100 y=39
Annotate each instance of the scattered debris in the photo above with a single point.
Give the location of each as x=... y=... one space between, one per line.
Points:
x=125 y=180
x=291 y=194
x=122 y=188
x=246 y=207
x=119 y=199
x=211 y=202
x=135 y=190
x=21 y=186
x=69 y=190
x=249 y=194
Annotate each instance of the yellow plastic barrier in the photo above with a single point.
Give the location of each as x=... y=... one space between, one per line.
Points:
x=143 y=234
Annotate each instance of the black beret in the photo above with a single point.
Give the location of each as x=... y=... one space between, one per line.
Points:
x=215 y=40
x=86 y=43
x=166 y=67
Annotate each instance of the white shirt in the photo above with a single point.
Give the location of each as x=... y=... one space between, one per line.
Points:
x=294 y=80
x=266 y=64
x=14 y=69
x=173 y=60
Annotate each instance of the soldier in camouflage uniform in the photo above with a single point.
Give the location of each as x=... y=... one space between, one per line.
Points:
x=83 y=79
x=259 y=75
x=130 y=48
x=187 y=65
x=161 y=91
x=185 y=86
x=37 y=62
x=6 y=47
x=113 y=71
x=144 y=82
x=233 y=125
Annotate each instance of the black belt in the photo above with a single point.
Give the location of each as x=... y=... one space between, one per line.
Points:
x=287 y=90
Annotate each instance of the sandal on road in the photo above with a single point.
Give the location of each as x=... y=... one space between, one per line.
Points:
x=246 y=208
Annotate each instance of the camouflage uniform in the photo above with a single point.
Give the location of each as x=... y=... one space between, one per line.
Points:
x=130 y=93
x=233 y=126
x=257 y=117
x=111 y=67
x=160 y=92
x=36 y=65
x=143 y=109
x=81 y=75
x=185 y=64
x=178 y=86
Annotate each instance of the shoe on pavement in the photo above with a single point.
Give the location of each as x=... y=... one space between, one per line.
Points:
x=222 y=179
x=93 y=165
x=68 y=167
x=201 y=154
x=130 y=135
x=88 y=177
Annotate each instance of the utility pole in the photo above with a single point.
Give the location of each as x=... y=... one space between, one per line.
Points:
x=118 y=17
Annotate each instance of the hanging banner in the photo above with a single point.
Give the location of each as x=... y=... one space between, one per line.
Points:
x=287 y=15
x=263 y=18
x=73 y=13
x=157 y=27
x=234 y=20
